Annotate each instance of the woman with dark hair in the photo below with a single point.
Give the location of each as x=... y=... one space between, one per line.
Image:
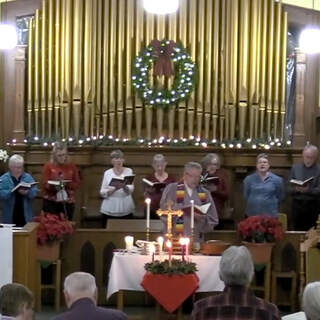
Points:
x=60 y=180
x=117 y=199
x=263 y=190
x=218 y=186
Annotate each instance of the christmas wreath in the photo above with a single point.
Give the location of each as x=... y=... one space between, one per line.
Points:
x=162 y=54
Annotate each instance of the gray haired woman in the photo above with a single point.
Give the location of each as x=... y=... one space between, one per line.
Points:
x=17 y=191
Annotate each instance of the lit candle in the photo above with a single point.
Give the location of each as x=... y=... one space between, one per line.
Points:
x=148 y=201
x=169 y=246
x=152 y=251
x=192 y=214
x=187 y=242
x=182 y=242
x=129 y=242
x=160 y=241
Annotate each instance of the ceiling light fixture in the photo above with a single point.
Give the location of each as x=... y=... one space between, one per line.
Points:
x=161 y=6
x=309 y=40
x=8 y=36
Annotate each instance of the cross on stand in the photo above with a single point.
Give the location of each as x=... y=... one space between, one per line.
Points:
x=169 y=213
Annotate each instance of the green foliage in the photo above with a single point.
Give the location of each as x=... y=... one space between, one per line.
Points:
x=183 y=83
x=177 y=267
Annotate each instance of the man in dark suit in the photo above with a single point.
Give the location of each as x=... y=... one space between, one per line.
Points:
x=80 y=292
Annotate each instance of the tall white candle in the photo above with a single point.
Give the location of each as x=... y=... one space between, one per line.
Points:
x=160 y=241
x=192 y=214
x=187 y=242
x=148 y=201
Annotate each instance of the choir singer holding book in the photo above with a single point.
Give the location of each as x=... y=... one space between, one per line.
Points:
x=263 y=190
x=304 y=188
x=116 y=189
x=181 y=194
x=17 y=191
x=60 y=180
x=215 y=180
x=155 y=183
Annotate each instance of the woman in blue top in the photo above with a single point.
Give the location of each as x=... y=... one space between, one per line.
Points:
x=263 y=190
x=17 y=204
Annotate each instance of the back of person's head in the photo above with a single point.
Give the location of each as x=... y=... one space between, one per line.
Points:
x=236 y=266
x=16 y=300
x=79 y=285
x=311 y=300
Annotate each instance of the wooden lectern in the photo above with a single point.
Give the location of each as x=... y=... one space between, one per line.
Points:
x=25 y=256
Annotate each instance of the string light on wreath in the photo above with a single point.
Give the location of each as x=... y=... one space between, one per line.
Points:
x=162 y=54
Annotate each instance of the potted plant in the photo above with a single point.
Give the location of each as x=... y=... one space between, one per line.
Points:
x=259 y=234
x=170 y=283
x=51 y=231
x=3 y=158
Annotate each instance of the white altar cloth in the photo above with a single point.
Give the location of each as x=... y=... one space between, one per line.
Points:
x=6 y=247
x=127 y=271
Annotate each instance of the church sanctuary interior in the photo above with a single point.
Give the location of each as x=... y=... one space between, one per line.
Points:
x=229 y=77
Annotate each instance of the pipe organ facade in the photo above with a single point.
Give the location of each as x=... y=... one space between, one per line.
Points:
x=80 y=57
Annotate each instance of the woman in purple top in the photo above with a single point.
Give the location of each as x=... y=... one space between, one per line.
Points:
x=160 y=177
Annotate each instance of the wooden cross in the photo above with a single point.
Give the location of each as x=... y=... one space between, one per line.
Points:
x=169 y=213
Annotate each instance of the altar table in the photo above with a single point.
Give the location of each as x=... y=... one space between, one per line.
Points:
x=127 y=271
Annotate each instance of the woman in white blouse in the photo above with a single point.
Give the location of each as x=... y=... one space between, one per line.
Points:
x=117 y=202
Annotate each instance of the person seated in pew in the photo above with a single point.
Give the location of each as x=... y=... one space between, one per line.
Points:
x=16 y=302
x=311 y=300
x=160 y=178
x=181 y=193
x=60 y=179
x=236 y=301
x=81 y=294
x=263 y=190
x=218 y=186
x=17 y=202
x=117 y=198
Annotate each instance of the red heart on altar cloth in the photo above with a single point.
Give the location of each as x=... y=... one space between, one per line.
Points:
x=170 y=290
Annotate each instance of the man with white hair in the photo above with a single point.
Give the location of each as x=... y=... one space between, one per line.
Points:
x=181 y=194
x=305 y=199
x=311 y=300
x=17 y=203
x=80 y=292
x=237 y=301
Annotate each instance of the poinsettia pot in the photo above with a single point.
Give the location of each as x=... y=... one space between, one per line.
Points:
x=261 y=252
x=49 y=251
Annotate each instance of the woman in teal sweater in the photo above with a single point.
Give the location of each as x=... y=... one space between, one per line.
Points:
x=17 y=204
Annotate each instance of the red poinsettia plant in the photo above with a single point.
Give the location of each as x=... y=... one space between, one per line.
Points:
x=52 y=228
x=260 y=229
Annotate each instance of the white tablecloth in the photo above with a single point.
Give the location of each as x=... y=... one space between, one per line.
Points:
x=6 y=241
x=127 y=271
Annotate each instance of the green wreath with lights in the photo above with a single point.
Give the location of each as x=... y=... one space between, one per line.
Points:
x=169 y=59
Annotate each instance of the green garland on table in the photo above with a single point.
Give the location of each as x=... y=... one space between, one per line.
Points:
x=184 y=81
x=177 y=267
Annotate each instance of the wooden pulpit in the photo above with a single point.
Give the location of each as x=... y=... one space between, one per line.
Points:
x=24 y=256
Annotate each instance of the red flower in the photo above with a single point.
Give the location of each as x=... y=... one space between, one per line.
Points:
x=52 y=227
x=261 y=229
